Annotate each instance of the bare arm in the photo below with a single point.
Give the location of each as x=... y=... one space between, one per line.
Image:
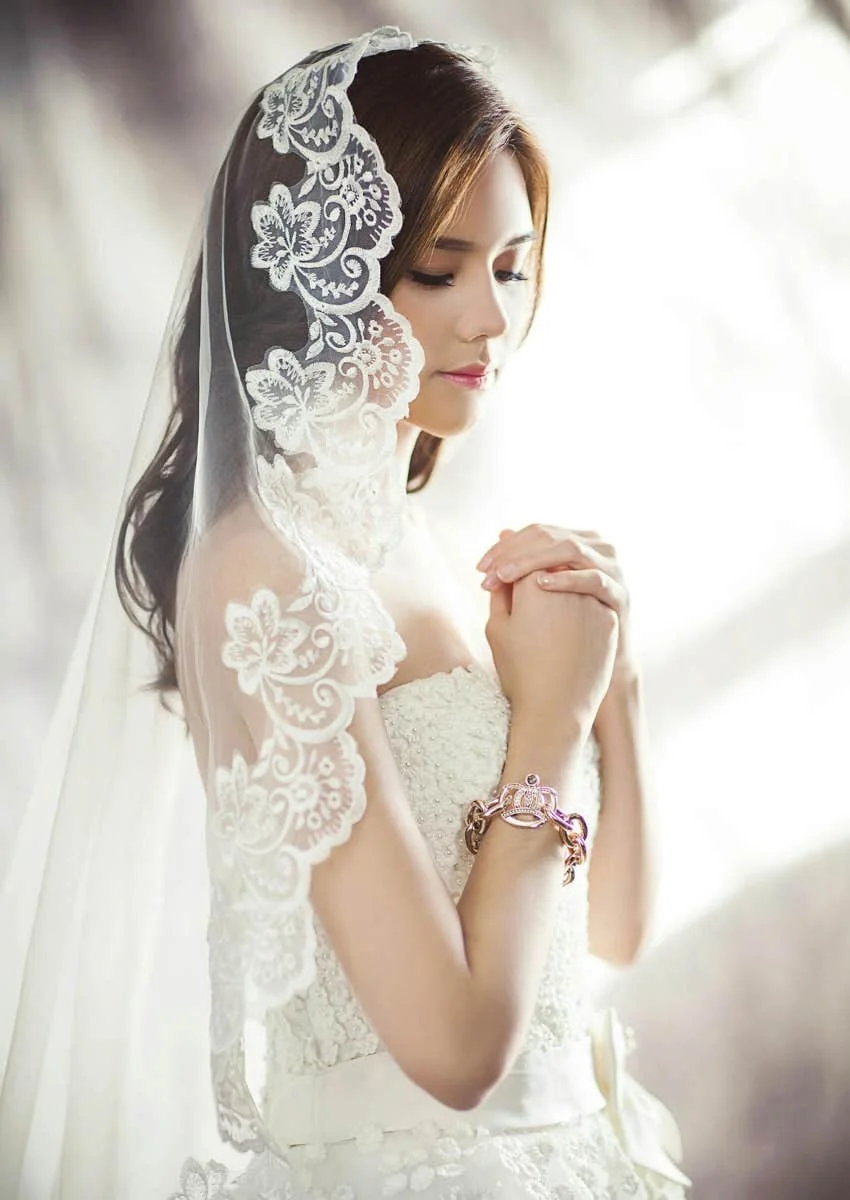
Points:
x=449 y=989
x=622 y=875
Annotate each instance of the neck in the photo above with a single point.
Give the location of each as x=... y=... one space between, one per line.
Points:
x=406 y=435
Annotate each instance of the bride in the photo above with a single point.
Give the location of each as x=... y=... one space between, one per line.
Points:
x=401 y=841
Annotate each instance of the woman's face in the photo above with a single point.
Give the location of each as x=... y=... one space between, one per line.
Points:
x=468 y=303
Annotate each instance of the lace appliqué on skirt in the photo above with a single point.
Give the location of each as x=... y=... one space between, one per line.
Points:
x=578 y=1161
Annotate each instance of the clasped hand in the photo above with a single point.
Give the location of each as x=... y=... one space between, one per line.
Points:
x=568 y=560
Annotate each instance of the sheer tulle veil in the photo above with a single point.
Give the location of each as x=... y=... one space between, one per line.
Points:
x=157 y=899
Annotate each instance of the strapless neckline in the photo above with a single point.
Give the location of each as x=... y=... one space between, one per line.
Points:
x=474 y=670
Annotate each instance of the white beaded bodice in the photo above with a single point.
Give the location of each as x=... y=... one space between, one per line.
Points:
x=449 y=735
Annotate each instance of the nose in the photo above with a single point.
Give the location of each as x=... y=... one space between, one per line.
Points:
x=483 y=312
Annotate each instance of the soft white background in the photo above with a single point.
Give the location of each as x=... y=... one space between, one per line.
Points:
x=685 y=391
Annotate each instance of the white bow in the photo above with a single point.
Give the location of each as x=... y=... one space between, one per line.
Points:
x=646 y=1128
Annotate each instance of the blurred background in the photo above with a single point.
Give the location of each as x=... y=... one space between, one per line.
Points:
x=684 y=391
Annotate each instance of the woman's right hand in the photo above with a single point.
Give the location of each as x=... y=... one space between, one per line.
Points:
x=554 y=651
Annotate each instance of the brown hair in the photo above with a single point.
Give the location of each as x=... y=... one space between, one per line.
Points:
x=438 y=120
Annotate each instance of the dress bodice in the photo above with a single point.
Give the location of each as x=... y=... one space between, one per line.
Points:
x=449 y=735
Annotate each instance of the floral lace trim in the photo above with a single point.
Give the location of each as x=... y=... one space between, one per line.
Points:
x=461 y=1161
x=272 y=819
x=333 y=406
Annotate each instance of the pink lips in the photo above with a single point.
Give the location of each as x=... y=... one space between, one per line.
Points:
x=469 y=369
x=474 y=375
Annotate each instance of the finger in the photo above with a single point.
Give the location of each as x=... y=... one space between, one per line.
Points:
x=596 y=541
x=513 y=542
x=534 y=548
x=487 y=558
x=500 y=602
x=564 y=553
x=591 y=582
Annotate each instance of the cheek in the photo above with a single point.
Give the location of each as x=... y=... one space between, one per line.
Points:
x=424 y=320
x=518 y=312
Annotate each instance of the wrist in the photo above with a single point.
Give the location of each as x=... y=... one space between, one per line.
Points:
x=530 y=804
x=547 y=746
x=626 y=681
x=625 y=688
x=620 y=707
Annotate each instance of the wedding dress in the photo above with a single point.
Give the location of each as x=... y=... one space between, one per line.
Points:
x=112 y=1022
x=368 y=1132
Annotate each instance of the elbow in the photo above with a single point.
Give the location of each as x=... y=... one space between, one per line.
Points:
x=463 y=1083
x=472 y=1086
x=458 y=1093
x=458 y=1090
x=467 y=1093
x=469 y=1058
x=461 y=1099
x=623 y=950
x=620 y=957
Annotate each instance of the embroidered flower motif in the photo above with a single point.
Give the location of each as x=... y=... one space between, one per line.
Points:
x=243 y=816
x=432 y=1156
x=315 y=1152
x=201 y=1183
x=426 y=1131
x=307 y=112
x=279 y=951
x=370 y=1138
x=421 y=1177
x=266 y=1176
x=379 y=354
x=345 y=517
x=417 y=1179
x=284 y=103
x=448 y=1154
x=343 y=291
x=288 y=397
x=262 y=936
x=248 y=821
x=286 y=235
x=360 y=188
x=263 y=644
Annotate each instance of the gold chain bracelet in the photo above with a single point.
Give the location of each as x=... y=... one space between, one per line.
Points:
x=529 y=805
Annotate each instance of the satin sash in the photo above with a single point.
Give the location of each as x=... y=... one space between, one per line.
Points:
x=543 y=1087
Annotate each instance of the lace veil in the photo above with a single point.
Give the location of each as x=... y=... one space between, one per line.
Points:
x=139 y=840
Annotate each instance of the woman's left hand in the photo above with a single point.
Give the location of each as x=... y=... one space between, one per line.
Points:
x=574 y=560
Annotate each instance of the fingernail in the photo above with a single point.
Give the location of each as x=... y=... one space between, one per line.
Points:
x=485 y=562
x=544 y=579
x=506 y=571
x=489 y=581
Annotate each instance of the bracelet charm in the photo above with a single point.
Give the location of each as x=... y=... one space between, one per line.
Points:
x=529 y=805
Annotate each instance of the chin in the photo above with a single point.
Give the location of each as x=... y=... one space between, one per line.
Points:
x=445 y=417
x=447 y=427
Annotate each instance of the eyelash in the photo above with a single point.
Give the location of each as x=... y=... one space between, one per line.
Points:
x=443 y=280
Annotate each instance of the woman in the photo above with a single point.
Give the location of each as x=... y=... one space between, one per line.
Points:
x=414 y=961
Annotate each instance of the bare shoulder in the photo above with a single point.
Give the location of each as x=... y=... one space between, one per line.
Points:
x=241 y=553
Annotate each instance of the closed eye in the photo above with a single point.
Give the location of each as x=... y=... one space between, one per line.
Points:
x=427 y=280
x=431 y=280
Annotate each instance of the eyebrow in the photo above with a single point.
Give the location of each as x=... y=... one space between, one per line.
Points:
x=461 y=244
